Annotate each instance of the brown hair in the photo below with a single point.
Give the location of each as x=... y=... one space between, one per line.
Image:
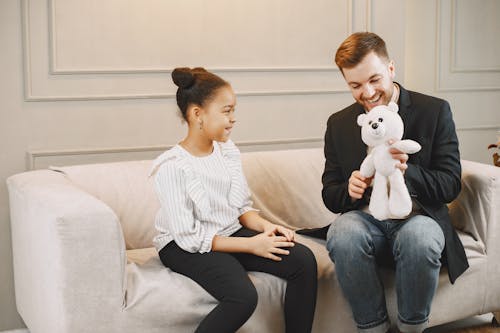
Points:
x=196 y=86
x=352 y=50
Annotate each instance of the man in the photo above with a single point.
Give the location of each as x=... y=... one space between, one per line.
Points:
x=416 y=245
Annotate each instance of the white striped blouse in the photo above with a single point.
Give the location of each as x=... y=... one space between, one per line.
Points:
x=200 y=197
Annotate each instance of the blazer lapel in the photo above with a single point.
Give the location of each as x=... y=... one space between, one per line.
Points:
x=404 y=109
x=356 y=147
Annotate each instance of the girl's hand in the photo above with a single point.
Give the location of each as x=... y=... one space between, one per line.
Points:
x=277 y=229
x=268 y=245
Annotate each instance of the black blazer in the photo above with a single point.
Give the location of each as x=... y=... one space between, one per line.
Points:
x=433 y=174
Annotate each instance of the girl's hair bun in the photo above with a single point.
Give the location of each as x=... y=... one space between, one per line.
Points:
x=183 y=77
x=196 y=86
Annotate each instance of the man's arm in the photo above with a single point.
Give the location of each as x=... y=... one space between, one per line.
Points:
x=335 y=191
x=440 y=182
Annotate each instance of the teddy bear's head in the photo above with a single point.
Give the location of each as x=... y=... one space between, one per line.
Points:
x=381 y=124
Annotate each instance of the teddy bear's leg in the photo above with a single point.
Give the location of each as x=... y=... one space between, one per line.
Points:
x=379 y=205
x=399 y=199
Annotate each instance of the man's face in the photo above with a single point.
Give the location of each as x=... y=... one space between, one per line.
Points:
x=371 y=81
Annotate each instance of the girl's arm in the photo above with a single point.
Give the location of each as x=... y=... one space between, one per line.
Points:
x=270 y=242
x=266 y=245
x=252 y=220
x=189 y=233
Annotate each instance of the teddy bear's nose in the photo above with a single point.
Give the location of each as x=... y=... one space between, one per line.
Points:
x=375 y=125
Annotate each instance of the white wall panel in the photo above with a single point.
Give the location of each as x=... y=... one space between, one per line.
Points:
x=473 y=50
x=459 y=39
x=153 y=34
x=116 y=49
x=467 y=45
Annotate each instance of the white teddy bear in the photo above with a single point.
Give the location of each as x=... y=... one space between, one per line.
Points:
x=378 y=126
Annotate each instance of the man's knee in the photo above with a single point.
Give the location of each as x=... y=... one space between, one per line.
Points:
x=349 y=234
x=421 y=236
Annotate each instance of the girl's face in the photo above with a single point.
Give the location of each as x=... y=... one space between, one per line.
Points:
x=217 y=115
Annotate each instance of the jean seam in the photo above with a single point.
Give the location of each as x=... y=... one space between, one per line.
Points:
x=373 y=324
x=416 y=322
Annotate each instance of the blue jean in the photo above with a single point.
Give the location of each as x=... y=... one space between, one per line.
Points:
x=358 y=243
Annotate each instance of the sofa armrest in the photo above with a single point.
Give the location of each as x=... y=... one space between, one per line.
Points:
x=68 y=253
x=475 y=209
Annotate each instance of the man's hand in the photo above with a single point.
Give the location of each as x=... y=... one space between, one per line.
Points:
x=358 y=184
x=400 y=156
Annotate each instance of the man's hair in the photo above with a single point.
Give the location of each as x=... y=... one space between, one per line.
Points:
x=352 y=50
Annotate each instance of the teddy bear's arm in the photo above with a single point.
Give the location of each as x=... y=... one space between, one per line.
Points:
x=407 y=146
x=367 y=168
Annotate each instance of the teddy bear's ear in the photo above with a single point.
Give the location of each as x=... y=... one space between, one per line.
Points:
x=361 y=117
x=393 y=107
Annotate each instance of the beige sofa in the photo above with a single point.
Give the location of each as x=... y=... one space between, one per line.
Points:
x=84 y=262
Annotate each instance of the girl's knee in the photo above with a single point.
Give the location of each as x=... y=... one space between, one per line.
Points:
x=303 y=255
x=248 y=298
x=301 y=264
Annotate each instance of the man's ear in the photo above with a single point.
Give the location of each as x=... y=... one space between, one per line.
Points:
x=392 y=69
x=361 y=117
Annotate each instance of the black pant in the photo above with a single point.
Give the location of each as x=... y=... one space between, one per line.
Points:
x=224 y=276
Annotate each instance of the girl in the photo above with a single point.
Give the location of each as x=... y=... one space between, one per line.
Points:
x=208 y=230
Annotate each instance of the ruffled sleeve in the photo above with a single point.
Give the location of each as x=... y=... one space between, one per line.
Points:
x=194 y=187
x=182 y=198
x=239 y=193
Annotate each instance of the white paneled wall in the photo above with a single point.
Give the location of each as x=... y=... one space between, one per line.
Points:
x=89 y=81
x=468 y=57
x=115 y=49
x=278 y=55
x=452 y=52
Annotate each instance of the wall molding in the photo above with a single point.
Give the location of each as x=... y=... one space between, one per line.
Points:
x=129 y=71
x=34 y=98
x=33 y=155
x=26 y=45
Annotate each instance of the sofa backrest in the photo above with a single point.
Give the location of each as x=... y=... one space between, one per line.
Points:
x=126 y=188
x=285 y=186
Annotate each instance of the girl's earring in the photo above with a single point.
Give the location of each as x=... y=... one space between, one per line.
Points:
x=200 y=122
